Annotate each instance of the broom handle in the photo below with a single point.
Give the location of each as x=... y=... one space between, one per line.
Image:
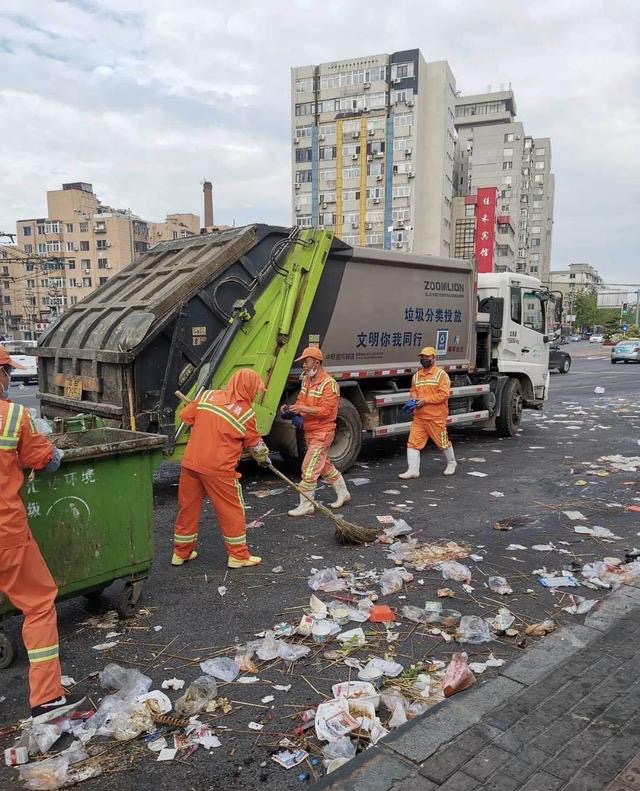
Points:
x=302 y=493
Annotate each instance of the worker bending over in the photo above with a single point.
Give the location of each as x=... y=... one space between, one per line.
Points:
x=223 y=424
x=429 y=404
x=317 y=403
x=24 y=577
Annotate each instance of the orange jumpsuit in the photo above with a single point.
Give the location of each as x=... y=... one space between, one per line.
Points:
x=322 y=395
x=24 y=576
x=433 y=386
x=223 y=423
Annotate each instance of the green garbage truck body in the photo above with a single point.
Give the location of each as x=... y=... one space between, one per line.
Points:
x=190 y=312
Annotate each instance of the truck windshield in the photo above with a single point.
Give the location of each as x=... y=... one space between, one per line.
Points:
x=533 y=311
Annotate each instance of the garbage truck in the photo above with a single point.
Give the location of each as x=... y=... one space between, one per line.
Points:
x=190 y=312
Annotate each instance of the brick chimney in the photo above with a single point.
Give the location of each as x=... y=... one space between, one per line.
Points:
x=207 y=188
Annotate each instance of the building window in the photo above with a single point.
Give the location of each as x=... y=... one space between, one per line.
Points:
x=469 y=210
x=403 y=119
x=351 y=173
x=41 y=229
x=400 y=71
x=28 y=248
x=84 y=227
x=26 y=230
x=85 y=263
x=303 y=154
x=42 y=248
x=103 y=263
x=535 y=229
x=540 y=152
x=324 y=129
x=327 y=174
x=70 y=247
x=303 y=221
x=102 y=280
x=86 y=282
x=31 y=283
x=350 y=195
x=327 y=219
x=71 y=263
x=503 y=250
x=326 y=152
x=69 y=227
x=507 y=152
x=507 y=165
x=509 y=137
x=303 y=176
x=73 y=300
x=84 y=245
x=402 y=191
x=304 y=85
x=101 y=244
x=507 y=180
x=305 y=108
x=505 y=207
x=539 y=165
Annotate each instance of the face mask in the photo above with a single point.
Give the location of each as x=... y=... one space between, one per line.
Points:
x=311 y=372
x=426 y=363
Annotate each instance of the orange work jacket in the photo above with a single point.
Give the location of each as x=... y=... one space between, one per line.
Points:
x=219 y=433
x=433 y=386
x=21 y=447
x=322 y=394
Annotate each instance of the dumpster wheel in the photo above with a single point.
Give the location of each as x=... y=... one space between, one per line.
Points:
x=128 y=599
x=7 y=651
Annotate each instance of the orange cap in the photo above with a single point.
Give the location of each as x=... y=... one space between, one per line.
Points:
x=5 y=359
x=311 y=351
x=428 y=351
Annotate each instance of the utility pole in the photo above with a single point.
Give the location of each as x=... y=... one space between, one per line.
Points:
x=637 y=307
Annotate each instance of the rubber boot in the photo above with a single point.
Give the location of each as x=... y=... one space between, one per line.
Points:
x=413 y=463
x=305 y=507
x=451 y=461
x=176 y=560
x=342 y=493
x=236 y=563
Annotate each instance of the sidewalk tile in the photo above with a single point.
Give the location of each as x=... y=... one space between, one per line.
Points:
x=502 y=783
x=372 y=770
x=579 y=750
x=414 y=783
x=607 y=762
x=584 y=781
x=486 y=762
x=449 y=759
x=542 y=781
x=460 y=782
x=559 y=734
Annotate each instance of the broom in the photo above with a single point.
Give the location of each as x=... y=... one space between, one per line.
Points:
x=346 y=532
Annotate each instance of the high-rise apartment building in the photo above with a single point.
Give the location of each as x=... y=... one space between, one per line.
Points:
x=573 y=281
x=493 y=150
x=372 y=150
x=72 y=251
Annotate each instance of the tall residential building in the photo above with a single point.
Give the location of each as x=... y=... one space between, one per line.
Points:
x=176 y=226
x=75 y=249
x=493 y=150
x=372 y=150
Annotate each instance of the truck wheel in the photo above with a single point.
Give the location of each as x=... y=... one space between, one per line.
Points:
x=508 y=420
x=7 y=651
x=348 y=440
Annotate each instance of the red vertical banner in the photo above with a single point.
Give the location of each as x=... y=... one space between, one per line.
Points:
x=485 y=236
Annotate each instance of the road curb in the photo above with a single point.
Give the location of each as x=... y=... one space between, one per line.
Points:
x=402 y=753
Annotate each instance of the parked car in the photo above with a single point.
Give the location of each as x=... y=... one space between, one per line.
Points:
x=559 y=360
x=627 y=351
x=30 y=371
x=596 y=338
x=575 y=338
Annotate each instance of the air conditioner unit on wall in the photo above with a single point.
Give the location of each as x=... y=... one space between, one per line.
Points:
x=372 y=132
x=379 y=178
x=296 y=140
x=368 y=226
x=398 y=244
x=410 y=102
x=355 y=135
x=321 y=137
x=297 y=186
x=411 y=175
x=376 y=200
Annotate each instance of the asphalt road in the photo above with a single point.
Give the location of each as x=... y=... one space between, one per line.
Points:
x=539 y=474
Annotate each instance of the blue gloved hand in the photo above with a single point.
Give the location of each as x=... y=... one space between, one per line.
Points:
x=298 y=421
x=285 y=414
x=54 y=464
x=410 y=405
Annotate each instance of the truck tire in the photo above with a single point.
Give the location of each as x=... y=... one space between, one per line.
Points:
x=508 y=421
x=348 y=440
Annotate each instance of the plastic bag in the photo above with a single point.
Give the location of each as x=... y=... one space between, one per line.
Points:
x=502 y=621
x=391 y=669
x=398 y=528
x=268 y=648
x=202 y=691
x=43 y=736
x=452 y=570
x=390 y=581
x=473 y=630
x=457 y=676
x=291 y=653
x=341 y=748
x=414 y=614
x=500 y=585
x=221 y=668
x=128 y=683
x=131 y=722
x=75 y=753
x=326 y=580
x=46 y=775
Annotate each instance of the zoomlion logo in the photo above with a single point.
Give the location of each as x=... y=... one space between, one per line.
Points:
x=443 y=287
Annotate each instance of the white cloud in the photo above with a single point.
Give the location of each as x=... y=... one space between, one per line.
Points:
x=147 y=99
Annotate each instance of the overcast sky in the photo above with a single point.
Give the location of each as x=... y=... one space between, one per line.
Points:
x=145 y=99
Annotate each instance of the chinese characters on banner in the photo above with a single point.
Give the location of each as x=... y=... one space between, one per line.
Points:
x=485 y=235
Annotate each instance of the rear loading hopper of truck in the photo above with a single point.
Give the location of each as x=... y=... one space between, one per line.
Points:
x=189 y=313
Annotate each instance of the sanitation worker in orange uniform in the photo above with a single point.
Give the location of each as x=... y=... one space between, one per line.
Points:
x=24 y=577
x=223 y=424
x=430 y=390
x=317 y=404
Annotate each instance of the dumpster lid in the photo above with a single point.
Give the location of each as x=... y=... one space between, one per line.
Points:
x=105 y=441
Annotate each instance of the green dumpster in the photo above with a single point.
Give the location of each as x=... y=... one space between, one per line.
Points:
x=93 y=519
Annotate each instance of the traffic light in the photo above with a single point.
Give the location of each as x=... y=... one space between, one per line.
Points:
x=625 y=305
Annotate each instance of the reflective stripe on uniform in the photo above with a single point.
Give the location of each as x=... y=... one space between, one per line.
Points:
x=220 y=412
x=182 y=539
x=247 y=416
x=45 y=654
x=10 y=435
x=235 y=541
x=307 y=472
x=240 y=495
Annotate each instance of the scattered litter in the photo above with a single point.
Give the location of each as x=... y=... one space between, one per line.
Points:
x=478 y=474
x=67 y=681
x=282 y=687
x=568 y=581
x=277 y=569
x=543 y=547
x=288 y=759
x=574 y=515
x=391 y=491
x=599 y=390
x=422 y=556
x=479 y=667
x=105 y=646
x=502 y=622
x=359 y=481
x=255 y=726
x=540 y=629
x=167 y=754
x=201 y=692
x=514 y=547
x=457 y=676
x=269 y=492
x=497 y=494
x=451 y=570
x=500 y=585
x=267 y=699
x=386 y=519
x=445 y=592
x=474 y=630
x=579 y=605
x=222 y=668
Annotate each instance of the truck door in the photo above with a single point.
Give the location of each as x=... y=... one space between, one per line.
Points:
x=534 y=344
